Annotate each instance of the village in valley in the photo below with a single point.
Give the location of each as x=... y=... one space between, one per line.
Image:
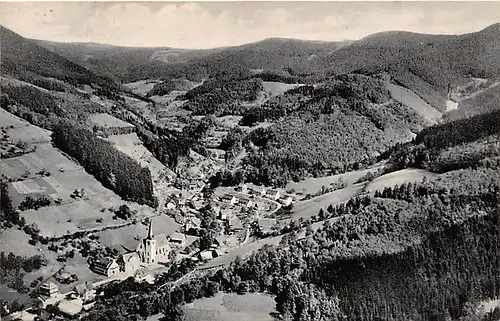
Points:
x=277 y=179
x=123 y=239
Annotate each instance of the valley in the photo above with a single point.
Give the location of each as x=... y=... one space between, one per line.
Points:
x=249 y=182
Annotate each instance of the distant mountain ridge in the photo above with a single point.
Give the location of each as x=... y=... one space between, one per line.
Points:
x=130 y=64
x=24 y=59
x=428 y=65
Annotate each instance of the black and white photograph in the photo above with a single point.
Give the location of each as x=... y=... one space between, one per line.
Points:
x=250 y=161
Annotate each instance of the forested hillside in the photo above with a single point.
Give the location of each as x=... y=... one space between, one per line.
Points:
x=465 y=143
x=339 y=126
x=112 y=168
x=440 y=61
x=419 y=252
x=269 y=113
x=222 y=96
x=131 y=64
x=26 y=60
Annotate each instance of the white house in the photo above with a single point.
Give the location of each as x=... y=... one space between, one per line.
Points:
x=273 y=194
x=235 y=225
x=225 y=213
x=170 y=206
x=206 y=255
x=85 y=291
x=129 y=262
x=192 y=223
x=105 y=266
x=286 y=200
x=245 y=202
x=243 y=188
x=229 y=199
x=259 y=190
x=49 y=289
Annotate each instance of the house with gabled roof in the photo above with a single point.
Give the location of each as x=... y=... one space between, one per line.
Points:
x=273 y=194
x=235 y=225
x=192 y=223
x=229 y=199
x=286 y=200
x=245 y=202
x=129 y=262
x=243 y=188
x=105 y=266
x=178 y=239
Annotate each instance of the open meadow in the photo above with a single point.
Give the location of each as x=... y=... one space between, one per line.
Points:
x=306 y=209
x=412 y=100
x=399 y=177
x=45 y=157
x=131 y=145
x=314 y=185
x=129 y=236
x=141 y=87
x=230 y=307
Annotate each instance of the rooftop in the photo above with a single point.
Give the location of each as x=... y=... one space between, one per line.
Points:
x=235 y=222
x=103 y=262
x=178 y=236
x=70 y=307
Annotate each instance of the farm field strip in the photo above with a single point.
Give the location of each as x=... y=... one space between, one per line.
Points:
x=412 y=100
x=313 y=185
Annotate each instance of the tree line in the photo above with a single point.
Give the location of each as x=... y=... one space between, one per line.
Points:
x=111 y=167
x=464 y=143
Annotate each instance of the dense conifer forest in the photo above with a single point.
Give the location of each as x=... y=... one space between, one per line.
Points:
x=111 y=167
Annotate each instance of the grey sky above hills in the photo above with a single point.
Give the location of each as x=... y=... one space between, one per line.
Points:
x=215 y=24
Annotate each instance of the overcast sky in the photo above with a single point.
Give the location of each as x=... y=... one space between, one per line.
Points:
x=213 y=24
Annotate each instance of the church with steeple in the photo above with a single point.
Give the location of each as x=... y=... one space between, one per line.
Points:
x=154 y=248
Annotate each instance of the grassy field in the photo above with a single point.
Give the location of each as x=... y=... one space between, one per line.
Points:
x=399 y=177
x=55 y=221
x=141 y=87
x=106 y=121
x=222 y=307
x=44 y=157
x=313 y=185
x=131 y=145
x=277 y=88
x=129 y=236
x=308 y=208
x=305 y=209
x=229 y=121
x=412 y=100
x=65 y=183
x=16 y=241
x=9 y=120
x=29 y=134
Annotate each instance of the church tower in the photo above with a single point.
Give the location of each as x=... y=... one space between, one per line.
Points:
x=150 y=246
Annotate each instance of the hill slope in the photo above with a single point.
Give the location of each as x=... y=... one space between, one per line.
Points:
x=440 y=61
x=131 y=64
x=26 y=60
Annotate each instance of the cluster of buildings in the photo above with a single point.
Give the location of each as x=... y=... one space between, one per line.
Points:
x=153 y=249
x=82 y=297
x=268 y=193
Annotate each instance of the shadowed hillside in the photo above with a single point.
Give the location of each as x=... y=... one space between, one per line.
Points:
x=26 y=60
